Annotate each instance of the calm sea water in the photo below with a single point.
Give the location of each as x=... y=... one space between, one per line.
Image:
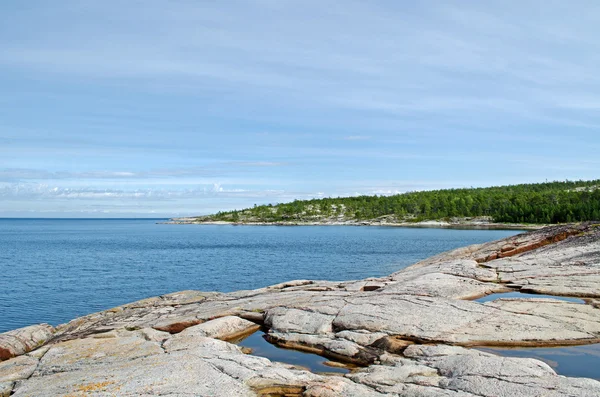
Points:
x=579 y=361
x=55 y=270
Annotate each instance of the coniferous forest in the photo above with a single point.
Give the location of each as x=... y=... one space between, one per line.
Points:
x=552 y=202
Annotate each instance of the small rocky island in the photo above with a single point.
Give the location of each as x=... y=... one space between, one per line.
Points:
x=413 y=333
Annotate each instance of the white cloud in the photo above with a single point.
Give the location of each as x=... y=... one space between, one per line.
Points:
x=36 y=191
x=216 y=169
x=408 y=66
x=357 y=138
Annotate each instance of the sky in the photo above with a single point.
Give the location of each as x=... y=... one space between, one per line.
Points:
x=174 y=108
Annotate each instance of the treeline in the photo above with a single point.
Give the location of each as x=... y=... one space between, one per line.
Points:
x=553 y=202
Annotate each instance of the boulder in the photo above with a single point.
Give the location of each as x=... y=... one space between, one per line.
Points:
x=20 y=341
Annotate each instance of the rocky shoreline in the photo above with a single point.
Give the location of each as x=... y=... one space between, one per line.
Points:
x=409 y=334
x=457 y=223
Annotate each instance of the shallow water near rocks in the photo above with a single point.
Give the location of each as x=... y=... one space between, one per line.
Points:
x=578 y=361
x=517 y=294
x=314 y=362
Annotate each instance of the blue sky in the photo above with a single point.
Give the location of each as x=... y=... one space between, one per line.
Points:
x=171 y=108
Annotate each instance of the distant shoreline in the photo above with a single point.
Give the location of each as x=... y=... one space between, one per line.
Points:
x=417 y=225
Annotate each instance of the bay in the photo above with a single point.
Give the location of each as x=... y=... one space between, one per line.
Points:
x=54 y=270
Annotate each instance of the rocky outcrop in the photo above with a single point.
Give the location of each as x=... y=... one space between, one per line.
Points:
x=23 y=340
x=409 y=333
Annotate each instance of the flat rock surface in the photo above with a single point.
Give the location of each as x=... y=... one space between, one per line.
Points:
x=410 y=331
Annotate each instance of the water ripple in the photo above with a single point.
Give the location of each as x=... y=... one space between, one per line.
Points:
x=55 y=270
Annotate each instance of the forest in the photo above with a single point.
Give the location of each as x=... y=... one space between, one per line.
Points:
x=541 y=203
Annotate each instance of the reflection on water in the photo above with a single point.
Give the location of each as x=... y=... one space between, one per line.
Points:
x=579 y=361
x=516 y=294
x=260 y=347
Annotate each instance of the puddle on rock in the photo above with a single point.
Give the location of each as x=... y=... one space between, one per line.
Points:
x=517 y=294
x=578 y=361
x=314 y=362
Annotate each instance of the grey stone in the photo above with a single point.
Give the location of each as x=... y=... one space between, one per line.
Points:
x=287 y=320
x=23 y=340
x=228 y=327
x=17 y=368
x=6 y=388
x=444 y=285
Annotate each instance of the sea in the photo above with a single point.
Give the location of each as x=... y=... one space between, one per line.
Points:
x=54 y=270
